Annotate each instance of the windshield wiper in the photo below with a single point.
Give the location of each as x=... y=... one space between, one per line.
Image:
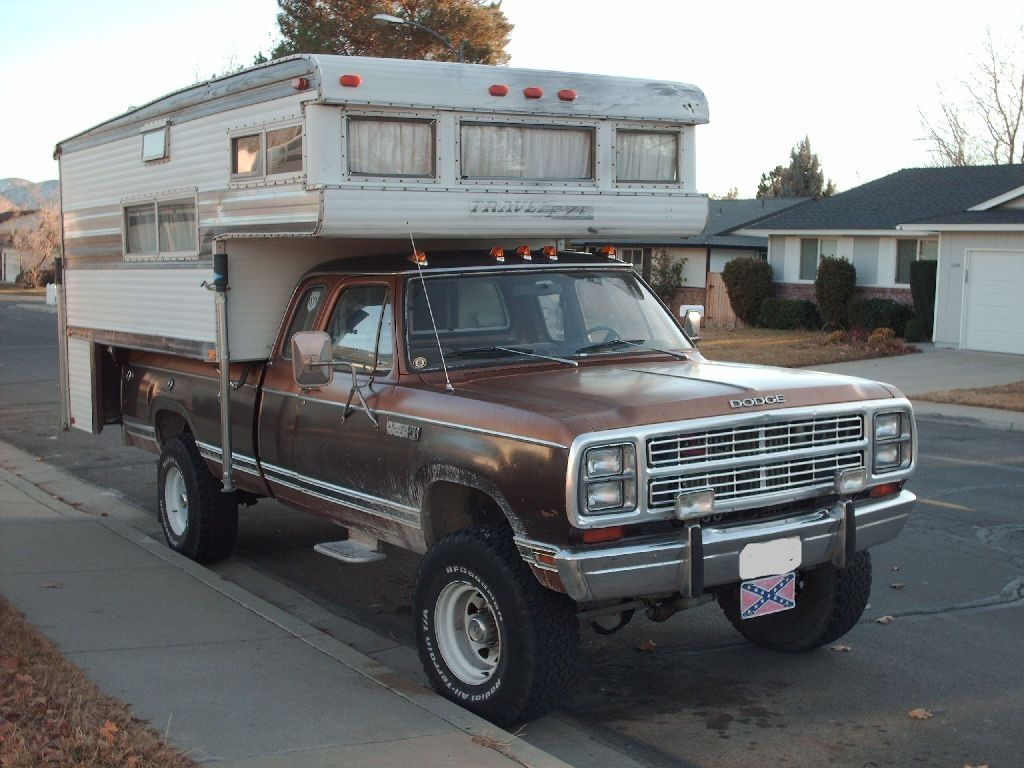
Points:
x=483 y=351
x=640 y=343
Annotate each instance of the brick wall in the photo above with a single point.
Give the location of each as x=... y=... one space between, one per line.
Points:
x=806 y=291
x=686 y=295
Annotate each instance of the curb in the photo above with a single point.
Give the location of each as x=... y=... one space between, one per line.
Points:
x=480 y=730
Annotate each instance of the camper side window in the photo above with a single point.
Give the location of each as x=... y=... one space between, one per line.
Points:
x=162 y=229
x=247 y=156
x=650 y=156
x=390 y=147
x=545 y=153
x=274 y=152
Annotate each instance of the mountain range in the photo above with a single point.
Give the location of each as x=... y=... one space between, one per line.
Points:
x=22 y=195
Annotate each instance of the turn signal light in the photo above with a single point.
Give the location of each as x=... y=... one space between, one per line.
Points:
x=886 y=489
x=350 y=81
x=498 y=253
x=599 y=535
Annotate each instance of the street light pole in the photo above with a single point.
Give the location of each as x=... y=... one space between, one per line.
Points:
x=386 y=18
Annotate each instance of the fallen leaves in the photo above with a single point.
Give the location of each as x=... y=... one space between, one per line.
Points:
x=920 y=714
x=109 y=731
x=840 y=648
x=885 y=620
x=647 y=646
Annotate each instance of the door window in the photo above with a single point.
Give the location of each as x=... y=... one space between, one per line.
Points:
x=360 y=329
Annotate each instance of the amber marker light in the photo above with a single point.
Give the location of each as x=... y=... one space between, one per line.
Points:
x=523 y=252
x=608 y=250
x=419 y=258
x=550 y=252
x=886 y=489
x=350 y=81
x=600 y=535
x=498 y=253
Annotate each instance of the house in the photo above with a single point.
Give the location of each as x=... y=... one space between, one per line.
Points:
x=705 y=254
x=970 y=219
x=10 y=258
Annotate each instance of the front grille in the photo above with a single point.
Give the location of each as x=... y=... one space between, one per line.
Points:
x=744 y=482
x=756 y=440
x=745 y=462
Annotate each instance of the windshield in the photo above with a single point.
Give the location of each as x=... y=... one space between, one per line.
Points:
x=567 y=316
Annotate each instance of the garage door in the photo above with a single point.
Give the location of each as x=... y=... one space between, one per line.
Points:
x=994 y=315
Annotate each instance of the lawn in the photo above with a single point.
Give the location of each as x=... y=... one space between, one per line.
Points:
x=1008 y=397
x=793 y=349
x=52 y=715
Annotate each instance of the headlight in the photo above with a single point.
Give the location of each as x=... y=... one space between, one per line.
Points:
x=893 y=443
x=608 y=482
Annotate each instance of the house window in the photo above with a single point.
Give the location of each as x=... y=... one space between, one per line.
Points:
x=634 y=256
x=277 y=152
x=650 y=156
x=154 y=144
x=811 y=251
x=161 y=229
x=390 y=147
x=526 y=152
x=909 y=251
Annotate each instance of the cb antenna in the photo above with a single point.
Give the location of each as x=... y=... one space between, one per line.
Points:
x=430 y=310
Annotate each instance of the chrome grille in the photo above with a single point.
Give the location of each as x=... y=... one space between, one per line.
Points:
x=746 y=481
x=754 y=440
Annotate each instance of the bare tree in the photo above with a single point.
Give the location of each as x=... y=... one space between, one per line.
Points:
x=983 y=122
x=38 y=243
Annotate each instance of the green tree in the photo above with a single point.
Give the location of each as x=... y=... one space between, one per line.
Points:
x=803 y=176
x=347 y=27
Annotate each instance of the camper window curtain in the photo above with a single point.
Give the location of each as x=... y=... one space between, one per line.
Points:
x=177 y=227
x=155 y=230
x=526 y=152
x=646 y=156
x=390 y=147
x=140 y=229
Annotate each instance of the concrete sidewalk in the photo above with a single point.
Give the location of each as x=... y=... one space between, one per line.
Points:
x=230 y=678
x=937 y=369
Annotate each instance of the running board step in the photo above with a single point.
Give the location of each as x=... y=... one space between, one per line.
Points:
x=352 y=550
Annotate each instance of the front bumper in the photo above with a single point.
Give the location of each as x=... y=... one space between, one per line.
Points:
x=696 y=558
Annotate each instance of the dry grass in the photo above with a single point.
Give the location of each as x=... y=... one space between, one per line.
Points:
x=52 y=715
x=1008 y=397
x=793 y=349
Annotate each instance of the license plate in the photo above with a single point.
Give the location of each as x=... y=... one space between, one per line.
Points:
x=760 y=597
x=768 y=558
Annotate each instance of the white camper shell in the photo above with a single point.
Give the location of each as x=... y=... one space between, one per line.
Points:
x=309 y=158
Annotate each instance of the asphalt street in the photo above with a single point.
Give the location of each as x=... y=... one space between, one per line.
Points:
x=689 y=691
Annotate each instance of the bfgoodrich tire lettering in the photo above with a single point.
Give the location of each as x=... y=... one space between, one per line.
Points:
x=490 y=637
x=829 y=602
x=199 y=521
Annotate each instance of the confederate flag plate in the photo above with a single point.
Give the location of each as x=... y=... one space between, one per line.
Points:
x=771 y=594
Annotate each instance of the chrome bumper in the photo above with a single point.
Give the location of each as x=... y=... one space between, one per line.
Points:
x=699 y=557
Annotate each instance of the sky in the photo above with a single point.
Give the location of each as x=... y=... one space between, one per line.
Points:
x=851 y=76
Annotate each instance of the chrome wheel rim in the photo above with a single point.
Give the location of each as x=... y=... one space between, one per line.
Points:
x=176 y=501
x=467 y=633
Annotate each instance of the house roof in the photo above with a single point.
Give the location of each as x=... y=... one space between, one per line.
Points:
x=910 y=195
x=724 y=216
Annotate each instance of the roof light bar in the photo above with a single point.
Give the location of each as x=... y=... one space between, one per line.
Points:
x=608 y=250
x=523 y=252
x=419 y=258
x=498 y=253
x=550 y=252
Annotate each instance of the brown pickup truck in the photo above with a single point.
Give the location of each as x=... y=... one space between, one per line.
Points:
x=541 y=428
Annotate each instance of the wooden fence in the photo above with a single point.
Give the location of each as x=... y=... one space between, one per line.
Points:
x=717 y=309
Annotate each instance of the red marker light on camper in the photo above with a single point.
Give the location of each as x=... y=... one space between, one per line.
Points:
x=523 y=252
x=550 y=252
x=498 y=90
x=300 y=83
x=498 y=253
x=567 y=95
x=608 y=250
x=533 y=92
x=350 y=81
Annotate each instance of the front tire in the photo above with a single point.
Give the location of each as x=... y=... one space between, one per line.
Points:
x=490 y=637
x=198 y=520
x=829 y=602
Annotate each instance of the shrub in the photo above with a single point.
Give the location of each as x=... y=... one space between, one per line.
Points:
x=836 y=337
x=880 y=313
x=748 y=283
x=667 y=275
x=833 y=288
x=787 y=314
x=881 y=336
x=914 y=330
x=922 y=289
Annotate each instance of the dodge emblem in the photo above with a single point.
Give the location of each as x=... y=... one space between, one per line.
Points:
x=750 y=402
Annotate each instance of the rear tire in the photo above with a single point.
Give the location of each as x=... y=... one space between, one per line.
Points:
x=829 y=602
x=490 y=637
x=198 y=519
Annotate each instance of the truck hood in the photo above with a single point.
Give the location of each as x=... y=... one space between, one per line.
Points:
x=600 y=397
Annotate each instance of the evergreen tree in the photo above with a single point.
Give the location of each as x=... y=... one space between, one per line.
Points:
x=803 y=176
x=347 y=27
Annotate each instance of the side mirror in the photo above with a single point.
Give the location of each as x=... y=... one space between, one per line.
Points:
x=691 y=324
x=312 y=365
